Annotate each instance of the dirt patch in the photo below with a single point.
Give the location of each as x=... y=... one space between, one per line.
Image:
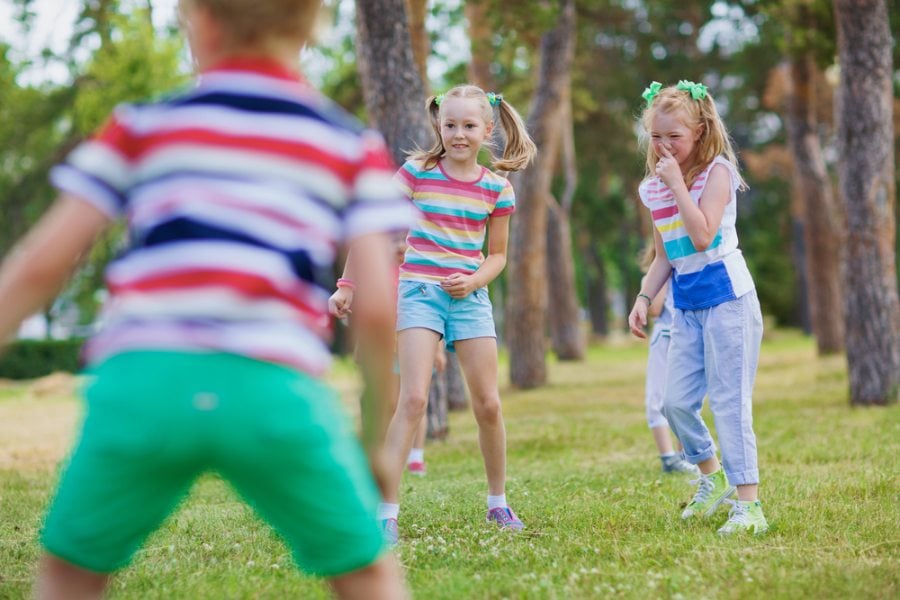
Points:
x=38 y=423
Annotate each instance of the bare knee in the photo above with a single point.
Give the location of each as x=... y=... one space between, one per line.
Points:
x=487 y=410
x=413 y=406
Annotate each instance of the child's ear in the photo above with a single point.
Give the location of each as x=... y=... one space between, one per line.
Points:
x=699 y=132
x=490 y=127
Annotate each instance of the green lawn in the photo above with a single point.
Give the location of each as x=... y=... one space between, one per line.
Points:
x=583 y=475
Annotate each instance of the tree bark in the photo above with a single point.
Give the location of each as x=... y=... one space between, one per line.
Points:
x=821 y=225
x=456 y=385
x=564 y=312
x=527 y=298
x=421 y=44
x=480 y=32
x=393 y=89
x=866 y=171
x=395 y=100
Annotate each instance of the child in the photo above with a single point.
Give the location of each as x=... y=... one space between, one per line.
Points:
x=236 y=194
x=661 y=310
x=415 y=462
x=442 y=292
x=690 y=189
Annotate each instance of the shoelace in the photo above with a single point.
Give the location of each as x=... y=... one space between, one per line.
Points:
x=739 y=512
x=705 y=487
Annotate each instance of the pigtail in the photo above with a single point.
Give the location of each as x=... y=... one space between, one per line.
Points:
x=520 y=148
x=431 y=156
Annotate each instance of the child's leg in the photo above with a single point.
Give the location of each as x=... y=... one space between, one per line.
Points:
x=416 y=347
x=416 y=455
x=685 y=390
x=655 y=389
x=379 y=581
x=733 y=335
x=478 y=359
x=61 y=580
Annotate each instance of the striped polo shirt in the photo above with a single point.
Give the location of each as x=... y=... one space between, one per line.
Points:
x=700 y=279
x=237 y=195
x=448 y=235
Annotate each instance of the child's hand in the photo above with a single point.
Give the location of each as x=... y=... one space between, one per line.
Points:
x=459 y=285
x=339 y=302
x=637 y=320
x=668 y=169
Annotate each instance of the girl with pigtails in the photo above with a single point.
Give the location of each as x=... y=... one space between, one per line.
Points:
x=444 y=277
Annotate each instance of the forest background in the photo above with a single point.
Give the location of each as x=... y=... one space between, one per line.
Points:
x=772 y=67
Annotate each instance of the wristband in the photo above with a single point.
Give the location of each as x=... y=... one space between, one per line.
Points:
x=345 y=283
x=646 y=297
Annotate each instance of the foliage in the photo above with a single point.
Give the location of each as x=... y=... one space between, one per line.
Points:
x=602 y=522
x=27 y=359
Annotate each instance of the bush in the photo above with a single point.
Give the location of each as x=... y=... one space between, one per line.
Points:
x=27 y=359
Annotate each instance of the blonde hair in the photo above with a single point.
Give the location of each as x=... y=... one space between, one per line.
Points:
x=714 y=140
x=647 y=255
x=248 y=23
x=519 y=150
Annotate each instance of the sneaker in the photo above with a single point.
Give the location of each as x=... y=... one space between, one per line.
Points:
x=505 y=518
x=712 y=491
x=416 y=468
x=676 y=464
x=390 y=532
x=744 y=516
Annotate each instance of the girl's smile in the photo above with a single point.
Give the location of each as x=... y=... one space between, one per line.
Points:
x=463 y=129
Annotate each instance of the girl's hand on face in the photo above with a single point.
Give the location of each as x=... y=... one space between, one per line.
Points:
x=459 y=285
x=340 y=301
x=667 y=168
x=637 y=320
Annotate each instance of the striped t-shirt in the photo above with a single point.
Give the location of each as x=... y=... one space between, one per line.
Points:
x=448 y=235
x=701 y=279
x=237 y=194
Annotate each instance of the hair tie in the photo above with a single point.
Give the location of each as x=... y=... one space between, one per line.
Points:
x=697 y=90
x=438 y=99
x=651 y=91
x=494 y=99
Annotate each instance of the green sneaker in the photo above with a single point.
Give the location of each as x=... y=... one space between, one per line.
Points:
x=712 y=491
x=745 y=516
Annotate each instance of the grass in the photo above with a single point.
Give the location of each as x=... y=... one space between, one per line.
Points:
x=602 y=521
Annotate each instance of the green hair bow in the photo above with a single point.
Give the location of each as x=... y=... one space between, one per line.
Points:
x=697 y=90
x=651 y=91
x=494 y=99
x=438 y=99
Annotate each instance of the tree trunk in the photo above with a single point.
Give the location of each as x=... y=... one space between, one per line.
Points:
x=866 y=170
x=482 y=50
x=421 y=44
x=394 y=92
x=564 y=313
x=821 y=225
x=527 y=272
x=456 y=385
x=597 y=293
x=395 y=101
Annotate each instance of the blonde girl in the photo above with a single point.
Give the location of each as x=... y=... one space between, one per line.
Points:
x=443 y=279
x=690 y=189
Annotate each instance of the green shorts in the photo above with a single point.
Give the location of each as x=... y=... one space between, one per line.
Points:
x=155 y=421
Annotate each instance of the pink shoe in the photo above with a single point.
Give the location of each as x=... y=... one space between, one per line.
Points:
x=505 y=518
x=416 y=468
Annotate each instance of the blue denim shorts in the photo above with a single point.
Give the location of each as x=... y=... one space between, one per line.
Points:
x=427 y=305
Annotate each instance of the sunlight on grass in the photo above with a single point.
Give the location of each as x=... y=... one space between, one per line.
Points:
x=601 y=519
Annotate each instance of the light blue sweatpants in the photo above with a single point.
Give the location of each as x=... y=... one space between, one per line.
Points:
x=715 y=351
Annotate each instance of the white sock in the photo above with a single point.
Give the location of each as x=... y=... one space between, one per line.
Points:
x=388 y=511
x=667 y=455
x=496 y=501
x=416 y=455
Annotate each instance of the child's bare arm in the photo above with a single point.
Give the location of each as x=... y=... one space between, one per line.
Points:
x=459 y=285
x=37 y=268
